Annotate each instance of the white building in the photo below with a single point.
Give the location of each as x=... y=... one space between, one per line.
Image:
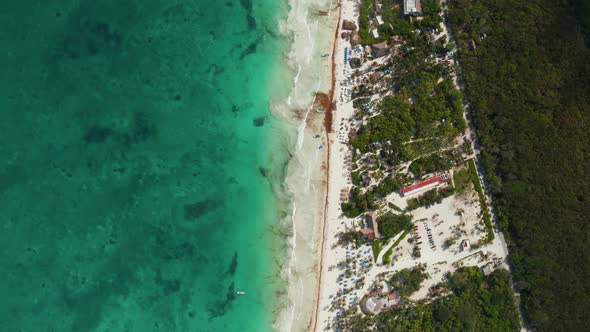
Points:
x=375 y=33
x=465 y=245
x=412 y=7
x=379 y=19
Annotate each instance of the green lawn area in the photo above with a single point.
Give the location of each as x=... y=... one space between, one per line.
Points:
x=461 y=180
x=377 y=247
x=387 y=255
x=482 y=201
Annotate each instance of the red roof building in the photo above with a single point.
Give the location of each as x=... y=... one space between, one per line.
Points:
x=421 y=186
x=392 y=296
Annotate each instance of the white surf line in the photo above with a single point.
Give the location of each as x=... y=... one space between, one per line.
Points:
x=301 y=128
x=312 y=41
x=309 y=38
x=309 y=170
x=294 y=239
x=292 y=265
x=296 y=78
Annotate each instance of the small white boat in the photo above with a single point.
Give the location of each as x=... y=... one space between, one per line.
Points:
x=240 y=292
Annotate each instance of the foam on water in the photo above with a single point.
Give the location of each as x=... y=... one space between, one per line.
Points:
x=302 y=125
x=305 y=177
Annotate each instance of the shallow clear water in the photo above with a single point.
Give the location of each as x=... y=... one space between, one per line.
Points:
x=137 y=154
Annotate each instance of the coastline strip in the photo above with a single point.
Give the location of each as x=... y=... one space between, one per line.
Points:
x=328 y=129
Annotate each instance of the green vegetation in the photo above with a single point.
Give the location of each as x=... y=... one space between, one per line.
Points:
x=395 y=207
x=403 y=236
x=362 y=91
x=349 y=237
x=437 y=111
x=423 y=147
x=421 y=117
x=461 y=180
x=407 y=281
x=392 y=13
x=387 y=255
x=386 y=186
x=377 y=247
x=430 y=15
x=391 y=224
x=356 y=178
x=361 y=202
x=361 y=102
x=528 y=82
x=477 y=304
x=434 y=196
x=485 y=212
x=436 y=162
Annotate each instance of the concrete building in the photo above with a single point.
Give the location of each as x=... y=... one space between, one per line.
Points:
x=412 y=7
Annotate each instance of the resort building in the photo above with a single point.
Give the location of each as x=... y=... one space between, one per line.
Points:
x=375 y=304
x=375 y=33
x=379 y=19
x=429 y=183
x=412 y=7
x=369 y=226
x=378 y=302
x=379 y=50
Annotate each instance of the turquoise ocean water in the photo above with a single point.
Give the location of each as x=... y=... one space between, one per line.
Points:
x=137 y=152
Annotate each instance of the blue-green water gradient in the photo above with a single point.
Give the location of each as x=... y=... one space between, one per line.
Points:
x=137 y=152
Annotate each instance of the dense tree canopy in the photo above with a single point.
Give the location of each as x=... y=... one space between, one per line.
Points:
x=390 y=224
x=478 y=303
x=437 y=111
x=408 y=281
x=395 y=21
x=527 y=73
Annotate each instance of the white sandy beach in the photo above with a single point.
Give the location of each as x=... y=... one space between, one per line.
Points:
x=338 y=178
x=311 y=24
